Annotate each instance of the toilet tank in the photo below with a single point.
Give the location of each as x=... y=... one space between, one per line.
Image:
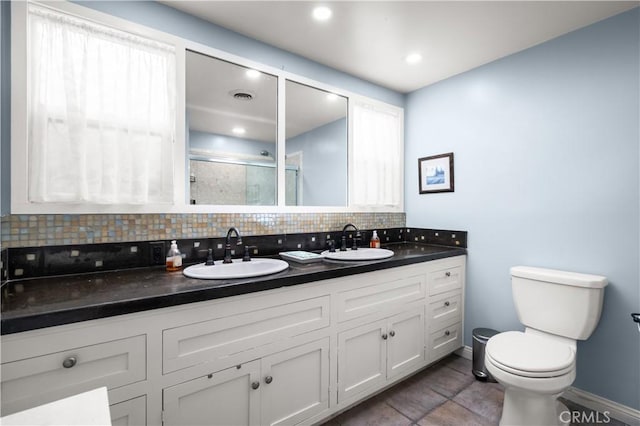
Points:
x=564 y=303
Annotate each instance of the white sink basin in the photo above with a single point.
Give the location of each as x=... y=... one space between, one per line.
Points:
x=237 y=269
x=360 y=254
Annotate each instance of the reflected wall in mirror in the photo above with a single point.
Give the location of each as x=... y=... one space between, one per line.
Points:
x=315 y=147
x=231 y=132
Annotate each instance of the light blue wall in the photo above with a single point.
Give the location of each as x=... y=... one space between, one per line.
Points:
x=324 y=164
x=546 y=147
x=172 y=21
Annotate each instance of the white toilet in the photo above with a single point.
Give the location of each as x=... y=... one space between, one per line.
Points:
x=535 y=367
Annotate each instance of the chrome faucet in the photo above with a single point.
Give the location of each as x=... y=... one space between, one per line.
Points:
x=227 y=247
x=343 y=247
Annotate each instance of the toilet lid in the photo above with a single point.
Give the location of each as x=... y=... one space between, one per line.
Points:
x=530 y=355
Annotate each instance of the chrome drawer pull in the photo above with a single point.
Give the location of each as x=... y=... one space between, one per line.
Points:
x=447 y=303
x=448 y=274
x=69 y=362
x=446 y=333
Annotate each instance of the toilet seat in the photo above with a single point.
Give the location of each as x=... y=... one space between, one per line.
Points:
x=529 y=355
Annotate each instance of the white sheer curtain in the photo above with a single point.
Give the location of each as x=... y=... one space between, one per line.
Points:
x=101 y=113
x=377 y=162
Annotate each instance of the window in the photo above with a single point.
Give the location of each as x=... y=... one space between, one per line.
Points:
x=101 y=113
x=377 y=175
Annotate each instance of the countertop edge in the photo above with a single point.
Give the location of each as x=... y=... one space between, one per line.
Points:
x=28 y=322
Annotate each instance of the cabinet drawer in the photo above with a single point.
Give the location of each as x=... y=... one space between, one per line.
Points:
x=38 y=380
x=389 y=295
x=445 y=279
x=444 y=341
x=129 y=413
x=444 y=309
x=212 y=340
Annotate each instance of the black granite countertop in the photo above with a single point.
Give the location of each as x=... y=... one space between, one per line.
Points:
x=46 y=302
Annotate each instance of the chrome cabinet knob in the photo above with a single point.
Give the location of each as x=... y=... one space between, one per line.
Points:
x=384 y=336
x=448 y=274
x=69 y=362
x=446 y=333
x=255 y=385
x=447 y=303
x=392 y=333
x=268 y=379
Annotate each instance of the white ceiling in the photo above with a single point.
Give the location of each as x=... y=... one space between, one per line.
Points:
x=370 y=39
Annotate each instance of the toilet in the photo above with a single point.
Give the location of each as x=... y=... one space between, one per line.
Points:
x=536 y=366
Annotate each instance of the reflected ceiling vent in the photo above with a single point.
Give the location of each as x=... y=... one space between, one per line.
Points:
x=242 y=95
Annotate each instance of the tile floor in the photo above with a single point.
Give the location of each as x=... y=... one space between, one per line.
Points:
x=446 y=393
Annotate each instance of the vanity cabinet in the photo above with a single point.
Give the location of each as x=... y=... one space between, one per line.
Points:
x=283 y=388
x=291 y=355
x=373 y=353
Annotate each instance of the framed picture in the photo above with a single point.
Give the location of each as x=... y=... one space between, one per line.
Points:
x=436 y=173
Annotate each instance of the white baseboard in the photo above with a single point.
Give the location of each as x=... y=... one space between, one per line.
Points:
x=465 y=352
x=617 y=411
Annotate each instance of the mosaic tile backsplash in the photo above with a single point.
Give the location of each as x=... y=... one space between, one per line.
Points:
x=54 y=230
x=43 y=261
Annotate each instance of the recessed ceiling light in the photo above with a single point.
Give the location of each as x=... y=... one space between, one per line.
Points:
x=322 y=13
x=413 y=58
x=239 y=130
x=252 y=74
x=332 y=97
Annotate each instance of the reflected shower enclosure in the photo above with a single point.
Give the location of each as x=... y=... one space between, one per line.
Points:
x=232 y=131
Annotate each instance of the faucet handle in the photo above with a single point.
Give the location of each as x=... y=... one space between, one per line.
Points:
x=343 y=246
x=247 y=256
x=355 y=240
x=209 y=261
x=332 y=246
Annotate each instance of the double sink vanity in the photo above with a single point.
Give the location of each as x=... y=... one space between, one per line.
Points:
x=292 y=347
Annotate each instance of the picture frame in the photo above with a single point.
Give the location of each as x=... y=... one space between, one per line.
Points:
x=435 y=173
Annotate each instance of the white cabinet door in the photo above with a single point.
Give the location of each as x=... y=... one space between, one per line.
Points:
x=284 y=388
x=372 y=353
x=129 y=413
x=362 y=359
x=295 y=384
x=225 y=398
x=405 y=344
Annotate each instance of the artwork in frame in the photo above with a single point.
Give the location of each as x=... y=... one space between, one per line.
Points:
x=436 y=173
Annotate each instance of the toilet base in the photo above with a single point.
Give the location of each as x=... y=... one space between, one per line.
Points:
x=524 y=408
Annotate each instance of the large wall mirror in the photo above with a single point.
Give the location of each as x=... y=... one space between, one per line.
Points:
x=242 y=136
x=232 y=138
x=316 y=147
x=231 y=132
